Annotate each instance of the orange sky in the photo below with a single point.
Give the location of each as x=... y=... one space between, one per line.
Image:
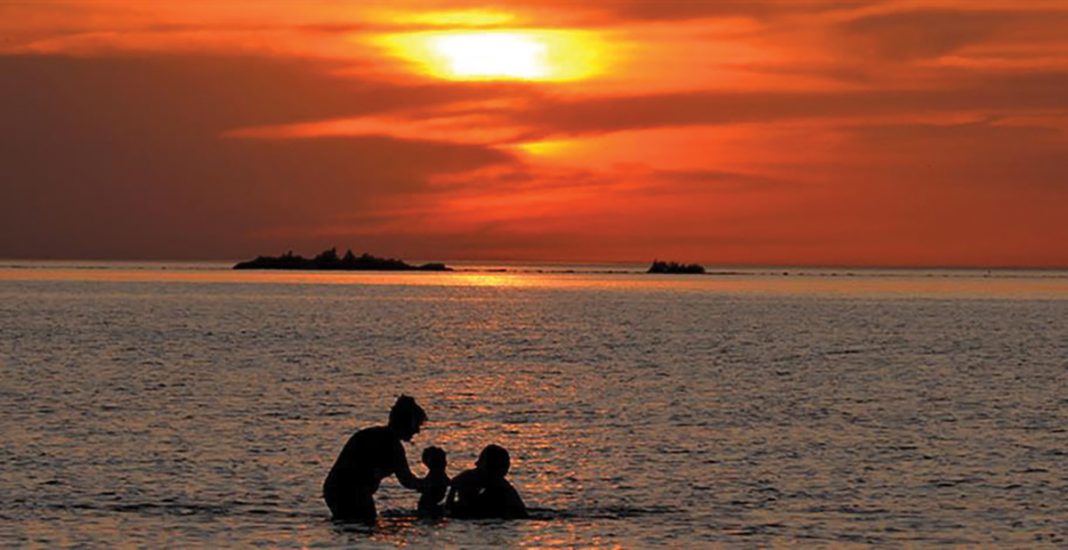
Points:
x=726 y=132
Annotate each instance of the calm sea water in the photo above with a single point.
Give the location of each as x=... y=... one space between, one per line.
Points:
x=189 y=405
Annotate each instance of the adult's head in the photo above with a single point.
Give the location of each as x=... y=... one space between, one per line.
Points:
x=494 y=461
x=406 y=417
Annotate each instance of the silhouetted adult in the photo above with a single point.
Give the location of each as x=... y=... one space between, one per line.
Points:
x=371 y=455
x=483 y=492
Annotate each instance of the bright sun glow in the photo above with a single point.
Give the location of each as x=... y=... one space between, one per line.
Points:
x=552 y=55
x=493 y=54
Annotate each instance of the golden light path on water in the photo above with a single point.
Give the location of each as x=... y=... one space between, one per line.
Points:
x=816 y=283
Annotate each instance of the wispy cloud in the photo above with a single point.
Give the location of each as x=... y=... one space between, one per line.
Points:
x=897 y=132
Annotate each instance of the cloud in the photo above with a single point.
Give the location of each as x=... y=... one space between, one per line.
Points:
x=123 y=157
x=213 y=93
x=971 y=157
x=683 y=182
x=967 y=93
x=928 y=33
x=782 y=131
x=642 y=10
x=533 y=116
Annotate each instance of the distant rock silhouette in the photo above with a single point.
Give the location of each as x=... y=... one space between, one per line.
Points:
x=329 y=260
x=675 y=267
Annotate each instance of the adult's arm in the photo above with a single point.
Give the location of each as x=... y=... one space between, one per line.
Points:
x=403 y=471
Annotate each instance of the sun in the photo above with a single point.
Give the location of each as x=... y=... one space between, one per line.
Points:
x=492 y=54
x=547 y=55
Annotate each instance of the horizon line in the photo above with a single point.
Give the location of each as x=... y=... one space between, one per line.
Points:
x=633 y=263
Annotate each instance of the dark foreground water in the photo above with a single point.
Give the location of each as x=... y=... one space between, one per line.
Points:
x=202 y=407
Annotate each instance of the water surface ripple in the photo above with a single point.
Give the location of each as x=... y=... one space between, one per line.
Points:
x=205 y=412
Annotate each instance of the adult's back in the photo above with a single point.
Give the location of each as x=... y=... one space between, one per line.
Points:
x=484 y=492
x=369 y=456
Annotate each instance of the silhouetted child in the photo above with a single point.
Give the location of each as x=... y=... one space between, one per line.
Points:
x=484 y=492
x=435 y=483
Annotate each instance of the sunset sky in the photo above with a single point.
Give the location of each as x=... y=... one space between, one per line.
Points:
x=793 y=132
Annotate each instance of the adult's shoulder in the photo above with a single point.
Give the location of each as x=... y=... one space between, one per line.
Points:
x=383 y=441
x=375 y=437
x=467 y=478
x=377 y=432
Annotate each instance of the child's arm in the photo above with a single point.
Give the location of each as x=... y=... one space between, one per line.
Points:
x=451 y=499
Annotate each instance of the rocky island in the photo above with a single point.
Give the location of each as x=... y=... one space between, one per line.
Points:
x=328 y=260
x=675 y=267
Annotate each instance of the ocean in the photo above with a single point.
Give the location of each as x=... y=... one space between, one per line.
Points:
x=156 y=404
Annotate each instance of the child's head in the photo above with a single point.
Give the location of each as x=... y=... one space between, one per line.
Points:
x=434 y=458
x=494 y=460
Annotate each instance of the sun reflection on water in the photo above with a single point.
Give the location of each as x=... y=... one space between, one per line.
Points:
x=960 y=284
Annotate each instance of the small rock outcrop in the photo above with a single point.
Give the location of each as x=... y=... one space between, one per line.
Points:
x=675 y=267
